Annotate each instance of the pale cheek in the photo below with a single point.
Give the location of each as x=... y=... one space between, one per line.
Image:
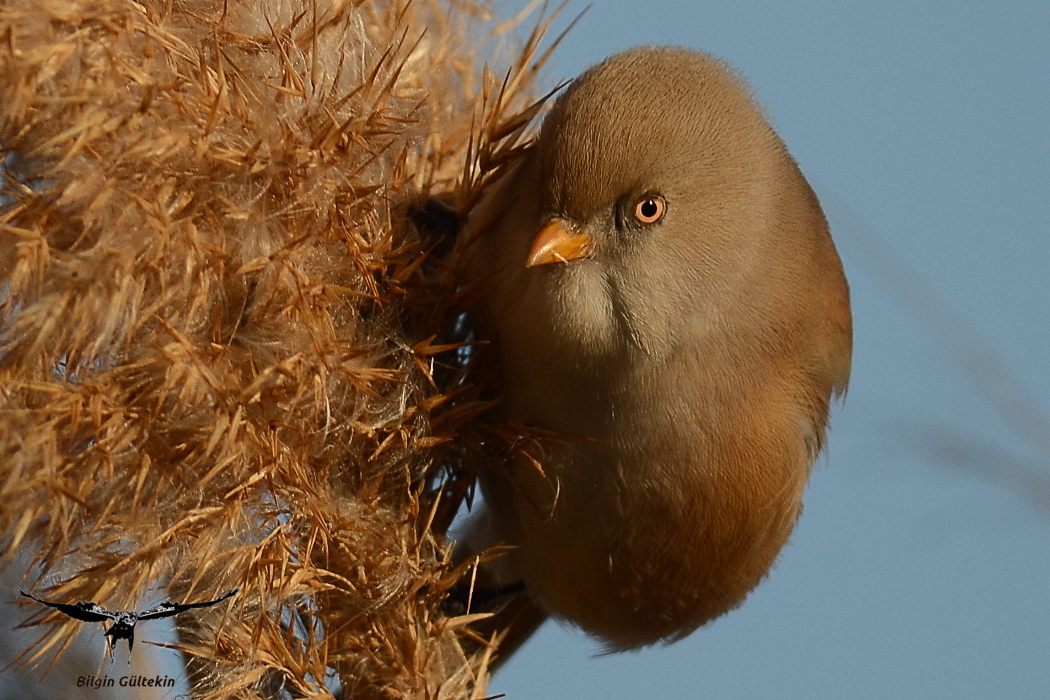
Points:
x=581 y=314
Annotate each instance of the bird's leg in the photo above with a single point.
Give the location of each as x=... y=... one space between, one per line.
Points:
x=464 y=597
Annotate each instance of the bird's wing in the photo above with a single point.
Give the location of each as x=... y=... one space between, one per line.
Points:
x=84 y=610
x=167 y=608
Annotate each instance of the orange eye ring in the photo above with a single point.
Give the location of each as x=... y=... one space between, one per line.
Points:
x=650 y=209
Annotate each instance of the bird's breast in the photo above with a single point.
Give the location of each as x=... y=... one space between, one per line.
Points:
x=662 y=517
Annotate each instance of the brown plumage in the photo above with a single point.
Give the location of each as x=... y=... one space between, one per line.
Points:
x=660 y=283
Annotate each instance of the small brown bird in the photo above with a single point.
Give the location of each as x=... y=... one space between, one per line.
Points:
x=660 y=283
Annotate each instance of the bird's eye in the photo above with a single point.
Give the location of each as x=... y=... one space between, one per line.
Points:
x=650 y=209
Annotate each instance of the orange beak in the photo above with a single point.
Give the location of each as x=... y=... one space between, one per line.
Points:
x=556 y=243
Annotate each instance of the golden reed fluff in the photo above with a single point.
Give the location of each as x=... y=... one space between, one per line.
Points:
x=219 y=327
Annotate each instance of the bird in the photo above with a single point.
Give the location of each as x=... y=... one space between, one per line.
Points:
x=671 y=321
x=124 y=621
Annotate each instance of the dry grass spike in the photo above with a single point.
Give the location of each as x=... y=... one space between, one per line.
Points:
x=218 y=330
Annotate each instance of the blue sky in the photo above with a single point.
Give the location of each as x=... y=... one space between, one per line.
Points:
x=925 y=128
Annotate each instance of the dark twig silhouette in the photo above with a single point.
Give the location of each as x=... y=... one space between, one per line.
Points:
x=124 y=621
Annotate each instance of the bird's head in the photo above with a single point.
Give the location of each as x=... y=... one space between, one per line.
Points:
x=667 y=210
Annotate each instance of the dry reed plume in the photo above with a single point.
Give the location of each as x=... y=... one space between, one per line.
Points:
x=217 y=325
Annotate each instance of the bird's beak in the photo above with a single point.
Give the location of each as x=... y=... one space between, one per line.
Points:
x=557 y=243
